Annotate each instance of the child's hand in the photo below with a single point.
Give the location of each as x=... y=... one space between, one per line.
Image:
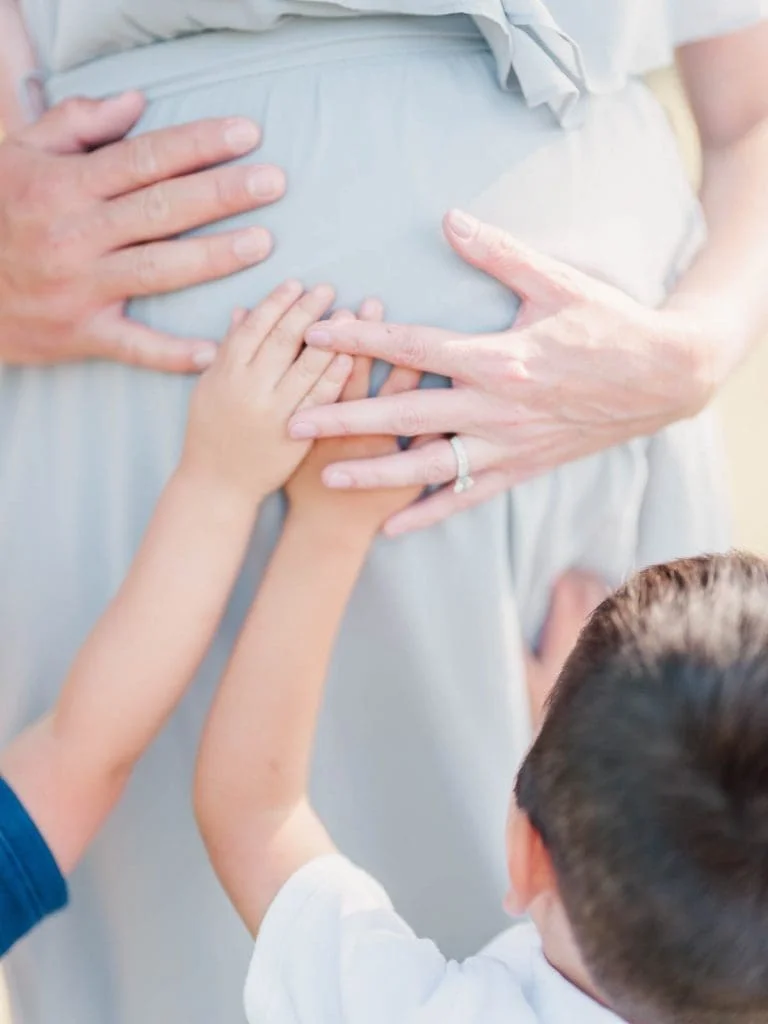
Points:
x=236 y=436
x=353 y=511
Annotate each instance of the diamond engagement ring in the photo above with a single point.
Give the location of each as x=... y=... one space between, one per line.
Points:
x=463 y=480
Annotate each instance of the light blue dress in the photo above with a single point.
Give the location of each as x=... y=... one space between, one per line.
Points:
x=533 y=117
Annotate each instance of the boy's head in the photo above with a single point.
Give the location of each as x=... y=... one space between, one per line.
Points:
x=641 y=825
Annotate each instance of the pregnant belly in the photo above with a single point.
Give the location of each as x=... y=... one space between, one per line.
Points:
x=381 y=125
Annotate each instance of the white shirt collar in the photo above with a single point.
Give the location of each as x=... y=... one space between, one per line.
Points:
x=552 y=997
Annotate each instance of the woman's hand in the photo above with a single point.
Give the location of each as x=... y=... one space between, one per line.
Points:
x=583 y=368
x=88 y=219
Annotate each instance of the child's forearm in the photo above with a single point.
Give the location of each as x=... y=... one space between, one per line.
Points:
x=69 y=769
x=253 y=768
x=17 y=61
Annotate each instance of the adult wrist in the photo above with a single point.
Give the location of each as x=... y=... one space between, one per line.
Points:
x=710 y=344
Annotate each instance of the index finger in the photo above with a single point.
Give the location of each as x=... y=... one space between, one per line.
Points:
x=429 y=349
x=155 y=156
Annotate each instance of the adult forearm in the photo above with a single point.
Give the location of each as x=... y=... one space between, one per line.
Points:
x=726 y=284
x=17 y=60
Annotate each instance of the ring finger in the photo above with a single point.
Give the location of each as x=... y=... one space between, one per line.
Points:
x=426 y=466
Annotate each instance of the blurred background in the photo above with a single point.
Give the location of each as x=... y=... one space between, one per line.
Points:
x=743 y=406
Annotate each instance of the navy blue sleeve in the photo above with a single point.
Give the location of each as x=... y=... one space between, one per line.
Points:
x=31 y=885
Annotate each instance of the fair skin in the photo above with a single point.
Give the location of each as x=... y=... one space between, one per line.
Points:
x=533 y=889
x=251 y=785
x=584 y=367
x=534 y=892
x=88 y=219
x=70 y=768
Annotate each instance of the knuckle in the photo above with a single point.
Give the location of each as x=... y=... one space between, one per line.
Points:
x=221 y=190
x=203 y=140
x=509 y=369
x=154 y=205
x=498 y=247
x=227 y=189
x=409 y=420
x=307 y=367
x=434 y=470
x=411 y=349
x=209 y=255
x=339 y=427
x=142 y=158
x=146 y=266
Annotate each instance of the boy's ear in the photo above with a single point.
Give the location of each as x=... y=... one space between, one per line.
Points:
x=530 y=867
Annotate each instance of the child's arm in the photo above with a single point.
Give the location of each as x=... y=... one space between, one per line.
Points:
x=17 y=61
x=69 y=769
x=574 y=597
x=253 y=767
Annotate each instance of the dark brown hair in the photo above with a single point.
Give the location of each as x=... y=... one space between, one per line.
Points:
x=649 y=787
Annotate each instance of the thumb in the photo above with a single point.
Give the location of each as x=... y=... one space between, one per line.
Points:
x=530 y=274
x=77 y=125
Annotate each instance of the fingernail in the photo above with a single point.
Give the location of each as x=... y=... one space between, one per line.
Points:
x=302 y=431
x=241 y=136
x=318 y=338
x=336 y=478
x=203 y=357
x=265 y=183
x=252 y=245
x=462 y=224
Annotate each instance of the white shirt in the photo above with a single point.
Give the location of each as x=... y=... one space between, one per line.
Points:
x=332 y=950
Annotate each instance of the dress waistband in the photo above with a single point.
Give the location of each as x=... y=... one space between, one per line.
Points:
x=532 y=52
x=201 y=60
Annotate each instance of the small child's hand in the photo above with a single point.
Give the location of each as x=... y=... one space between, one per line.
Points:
x=358 y=511
x=236 y=435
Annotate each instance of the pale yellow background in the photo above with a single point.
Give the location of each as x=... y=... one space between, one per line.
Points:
x=743 y=406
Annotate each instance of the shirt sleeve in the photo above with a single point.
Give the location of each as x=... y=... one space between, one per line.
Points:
x=332 y=950
x=31 y=884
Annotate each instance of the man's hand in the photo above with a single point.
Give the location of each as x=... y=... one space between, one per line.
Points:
x=85 y=221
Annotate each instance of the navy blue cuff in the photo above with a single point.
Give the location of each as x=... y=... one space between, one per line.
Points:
x=31 y=885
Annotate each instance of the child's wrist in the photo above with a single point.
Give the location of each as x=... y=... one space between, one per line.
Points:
x=230 y=496
x=332 y=530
